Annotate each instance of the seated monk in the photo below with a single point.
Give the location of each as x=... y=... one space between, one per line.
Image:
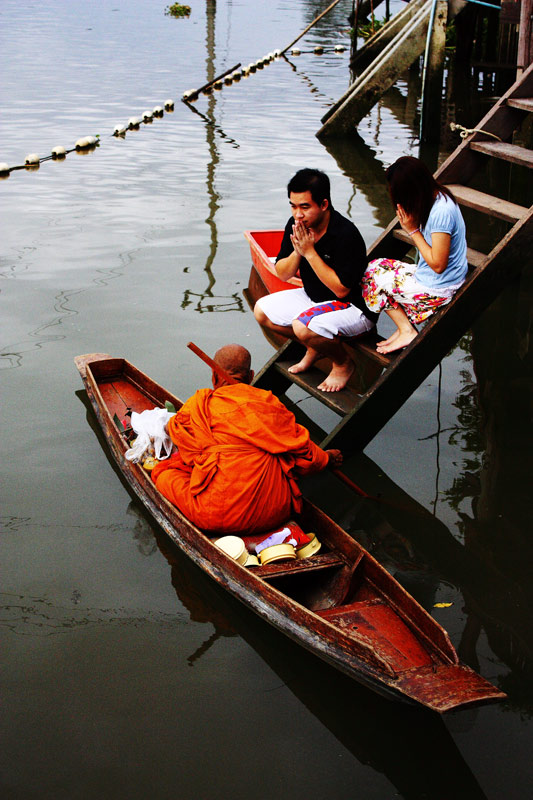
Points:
x=239 y=452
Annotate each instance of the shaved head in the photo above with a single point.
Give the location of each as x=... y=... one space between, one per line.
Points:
x=236 y=360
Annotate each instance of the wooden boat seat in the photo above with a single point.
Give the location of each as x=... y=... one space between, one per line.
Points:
x=319 y=561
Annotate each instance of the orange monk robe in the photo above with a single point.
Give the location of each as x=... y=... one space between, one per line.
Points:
x=239 y=450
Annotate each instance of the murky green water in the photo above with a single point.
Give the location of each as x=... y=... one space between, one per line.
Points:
x=126 y=673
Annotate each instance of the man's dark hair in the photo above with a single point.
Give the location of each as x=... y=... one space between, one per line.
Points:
x=314 y=181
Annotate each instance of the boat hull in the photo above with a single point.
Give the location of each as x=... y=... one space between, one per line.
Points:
x=342 y=606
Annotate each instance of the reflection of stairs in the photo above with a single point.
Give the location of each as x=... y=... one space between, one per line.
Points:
x=363 y=415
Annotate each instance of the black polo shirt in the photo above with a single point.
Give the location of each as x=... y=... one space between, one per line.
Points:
x=342 y=248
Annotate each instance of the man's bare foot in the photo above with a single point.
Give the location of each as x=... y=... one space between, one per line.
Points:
x=307 y=361
x=390 y=340
x=338 y=377
x=400 y=342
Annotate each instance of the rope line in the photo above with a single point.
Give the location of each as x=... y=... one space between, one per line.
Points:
x=464 y=132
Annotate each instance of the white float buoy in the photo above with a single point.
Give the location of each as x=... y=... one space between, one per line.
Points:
x=252 y=67
x=277 y=53
x=134 y=122
x=32 y=158
x=4 y=168
x=236 y=76
x=339 y=48
x=92 y=141
x=296 y=51
x=319 y=50
x=59 y=152
x=158 y=111
x=190 y=94
x=118 y=130
x=169 y=104
x=147 y=115
x=228 y=79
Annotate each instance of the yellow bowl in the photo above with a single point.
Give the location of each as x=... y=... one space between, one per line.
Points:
x=310 y=548
x=234 y=547
x=252 y=561
x=277 y=552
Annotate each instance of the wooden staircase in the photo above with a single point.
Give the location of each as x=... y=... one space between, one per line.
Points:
x=364 y=413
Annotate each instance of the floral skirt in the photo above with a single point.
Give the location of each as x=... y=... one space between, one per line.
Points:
x=389 y=284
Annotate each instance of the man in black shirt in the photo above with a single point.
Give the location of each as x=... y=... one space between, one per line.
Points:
x=330 y=255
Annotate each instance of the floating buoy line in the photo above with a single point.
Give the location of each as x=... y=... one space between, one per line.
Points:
x=86 y=144
x=232 y=75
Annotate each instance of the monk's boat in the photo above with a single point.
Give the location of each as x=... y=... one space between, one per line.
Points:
x=339 y=603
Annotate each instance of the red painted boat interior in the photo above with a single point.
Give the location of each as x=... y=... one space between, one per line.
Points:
x=375 y=620
x=121 y=396
x=267 y=241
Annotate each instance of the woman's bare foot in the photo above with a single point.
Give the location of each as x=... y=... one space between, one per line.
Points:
x=338 y=377
x=399 y=342
x=307 y=361
x=390 y=340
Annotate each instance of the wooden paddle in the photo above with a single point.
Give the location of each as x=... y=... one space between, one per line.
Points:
x=230 y=379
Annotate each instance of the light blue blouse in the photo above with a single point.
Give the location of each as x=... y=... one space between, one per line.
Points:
x=445 y=217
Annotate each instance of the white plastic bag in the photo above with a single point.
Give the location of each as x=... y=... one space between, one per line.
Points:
x=149 y=426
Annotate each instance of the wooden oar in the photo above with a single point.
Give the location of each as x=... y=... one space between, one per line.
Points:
x=213 y=364
x=230 y=379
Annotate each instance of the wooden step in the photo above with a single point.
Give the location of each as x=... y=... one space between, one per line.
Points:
x=523 y=103
x=505 y=151
x=341 y=402
x=475 y=257
x=367 y=345
x=487 y=203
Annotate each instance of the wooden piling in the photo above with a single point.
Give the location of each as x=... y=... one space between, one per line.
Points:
x=433 y=74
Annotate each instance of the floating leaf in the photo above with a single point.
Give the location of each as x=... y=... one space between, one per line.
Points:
x=442 y=605
x=170 y=407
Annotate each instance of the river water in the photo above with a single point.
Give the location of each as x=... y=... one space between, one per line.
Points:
x=126 y=672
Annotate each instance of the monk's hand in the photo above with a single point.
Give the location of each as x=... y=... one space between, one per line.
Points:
x=335 y=458
x=303 y=239
x=408 y=222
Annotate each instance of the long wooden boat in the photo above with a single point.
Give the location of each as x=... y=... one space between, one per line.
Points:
x=338 y=603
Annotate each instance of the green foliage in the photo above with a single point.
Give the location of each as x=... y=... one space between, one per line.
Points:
x=170 y=407
x=367 y=29
x=177 y=10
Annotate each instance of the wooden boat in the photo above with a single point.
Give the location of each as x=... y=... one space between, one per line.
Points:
x=264 y=247
x=338 y=603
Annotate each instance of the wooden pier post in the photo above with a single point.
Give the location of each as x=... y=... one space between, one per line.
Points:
x=525 y=37
x=433 y=73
